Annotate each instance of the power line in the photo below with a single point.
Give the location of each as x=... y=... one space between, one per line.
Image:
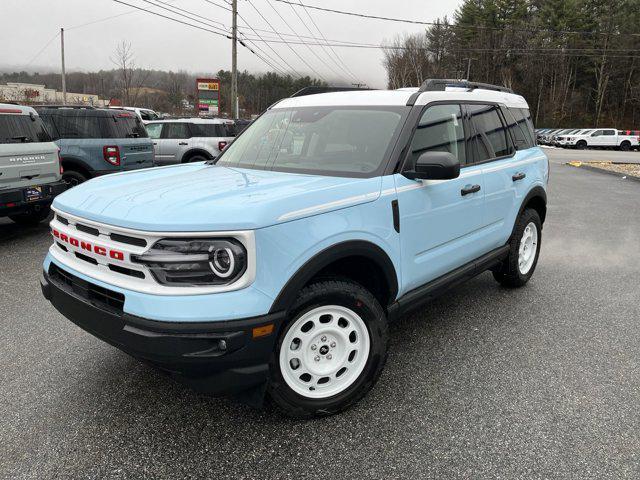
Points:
x=296 y=33
x=439 y=24
x=42 y=49
x=284 y=41
x=261 y=39
x=326 y=41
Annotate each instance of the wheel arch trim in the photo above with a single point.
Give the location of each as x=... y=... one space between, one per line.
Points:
x=331 y=254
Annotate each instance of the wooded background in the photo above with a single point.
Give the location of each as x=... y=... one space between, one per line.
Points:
x=575 y=61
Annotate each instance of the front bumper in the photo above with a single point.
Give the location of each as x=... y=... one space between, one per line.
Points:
x=14 y=202
x=219 y=357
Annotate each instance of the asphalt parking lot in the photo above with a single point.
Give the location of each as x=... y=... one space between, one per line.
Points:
x=541 y=382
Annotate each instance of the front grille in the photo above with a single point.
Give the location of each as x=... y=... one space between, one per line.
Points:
x=86 y=229
x=102 y=297
x=138 y=242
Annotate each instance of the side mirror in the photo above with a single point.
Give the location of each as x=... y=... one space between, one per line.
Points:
x=435 y=166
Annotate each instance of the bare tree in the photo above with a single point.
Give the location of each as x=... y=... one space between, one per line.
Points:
x=130 y=79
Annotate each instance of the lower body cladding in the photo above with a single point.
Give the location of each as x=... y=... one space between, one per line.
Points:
x=221 y=357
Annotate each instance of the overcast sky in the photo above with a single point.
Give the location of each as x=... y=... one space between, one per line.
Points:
x=162 y=44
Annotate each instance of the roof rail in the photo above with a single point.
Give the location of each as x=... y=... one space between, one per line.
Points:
x=79 y=107
x=312 y=90
x=441 y=84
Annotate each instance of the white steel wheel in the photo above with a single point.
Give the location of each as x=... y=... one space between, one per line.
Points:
x=528 y=248
x=324 y=351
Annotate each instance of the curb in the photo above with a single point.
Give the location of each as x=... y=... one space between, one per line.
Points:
x=584 y=166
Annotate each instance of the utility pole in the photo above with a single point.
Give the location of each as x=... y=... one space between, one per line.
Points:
x=468 y=67
x=64 y=77
x=234 y=59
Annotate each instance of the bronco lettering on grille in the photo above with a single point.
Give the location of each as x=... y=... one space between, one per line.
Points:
x=89 y=247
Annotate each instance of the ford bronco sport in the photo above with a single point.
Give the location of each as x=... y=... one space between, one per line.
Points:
x=97 y=141
x=275 y=269
x=30 y=175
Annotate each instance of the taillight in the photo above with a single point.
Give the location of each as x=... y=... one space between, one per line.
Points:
x=111 y=155
x=221 y=145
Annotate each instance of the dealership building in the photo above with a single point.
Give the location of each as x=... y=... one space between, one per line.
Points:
x=39 y=94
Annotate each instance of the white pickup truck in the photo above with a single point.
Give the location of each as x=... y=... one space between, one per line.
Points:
x=602 y=138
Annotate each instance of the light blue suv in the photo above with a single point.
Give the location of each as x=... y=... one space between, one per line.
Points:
x=275 y=269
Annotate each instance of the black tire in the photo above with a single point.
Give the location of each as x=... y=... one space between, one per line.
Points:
x=345 y=293
x=581 y=145
x=31 y=218
x=509 y=274
x=196 y=158
x=73 y=178
x=625 y=146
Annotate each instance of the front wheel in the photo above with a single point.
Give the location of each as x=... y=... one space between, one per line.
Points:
x=524 y=250
x=581 y=145
x=331 y=352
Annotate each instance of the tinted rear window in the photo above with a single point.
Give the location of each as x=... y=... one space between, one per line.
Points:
x=21 y=129
x=213 y=130
x=129 y=126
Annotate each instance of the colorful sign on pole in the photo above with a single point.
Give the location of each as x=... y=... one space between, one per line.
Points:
x=208 y=92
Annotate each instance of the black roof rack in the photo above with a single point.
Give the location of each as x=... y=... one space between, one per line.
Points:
x=441 y=84
x=320 y=89
x=80 y=107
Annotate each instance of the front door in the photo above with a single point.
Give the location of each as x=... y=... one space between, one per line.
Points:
x=439 y=219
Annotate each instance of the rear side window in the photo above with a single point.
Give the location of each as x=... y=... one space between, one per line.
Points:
x=490 y=131
x=212 y=130
x=77 y=125
x=517 y=125
x=440 y=130
x=176 y=130
x=126 y=126
x=22 y=129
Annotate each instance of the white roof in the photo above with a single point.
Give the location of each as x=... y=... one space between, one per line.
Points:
x=400 y=97
x=23 y=110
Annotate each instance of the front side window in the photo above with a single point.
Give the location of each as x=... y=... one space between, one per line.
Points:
x=489 y=129
x=176 y=130
x=597 y=133
x=154 y=130
x=339 y=141
x=22 y=129
x=440 y=129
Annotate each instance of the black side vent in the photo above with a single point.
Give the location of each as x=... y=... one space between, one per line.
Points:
x=62 y=220
x=138 y=242
x=62 y=247
x=85 y=258
x=90 y=230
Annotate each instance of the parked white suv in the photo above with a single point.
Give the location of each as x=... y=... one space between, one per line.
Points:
x=145 y=114
x=189 y=139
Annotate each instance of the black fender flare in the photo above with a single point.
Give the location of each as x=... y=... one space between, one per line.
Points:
x=351 y=248
x=535 y=192
x=195 y=151
x=76 y=162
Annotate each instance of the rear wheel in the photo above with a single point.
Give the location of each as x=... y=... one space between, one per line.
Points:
x=196 y=158
x=331 y=352
x=625 y=146
x=31 y=218
x=524 y=249
x=73 y=178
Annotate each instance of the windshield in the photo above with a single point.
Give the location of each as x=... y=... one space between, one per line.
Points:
x=338 y=141
x=22 y=129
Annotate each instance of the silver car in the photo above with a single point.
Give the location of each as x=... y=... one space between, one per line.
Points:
x=189 y=139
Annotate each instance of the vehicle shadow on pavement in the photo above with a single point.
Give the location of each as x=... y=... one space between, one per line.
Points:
x=10 y=231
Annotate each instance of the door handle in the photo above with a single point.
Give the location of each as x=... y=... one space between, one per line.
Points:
x=471 y=189
x=518 y=176
x=155 y=143
x=183 y=143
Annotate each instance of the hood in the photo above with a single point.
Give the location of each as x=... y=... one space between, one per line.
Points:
x=200 y=197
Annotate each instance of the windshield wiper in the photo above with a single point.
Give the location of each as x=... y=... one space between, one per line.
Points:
x=24 y=138
x=133 y=135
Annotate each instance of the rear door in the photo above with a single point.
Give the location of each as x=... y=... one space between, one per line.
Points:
x=130 y=136
x=175 y=139
x=440 y=219
x=28 y=157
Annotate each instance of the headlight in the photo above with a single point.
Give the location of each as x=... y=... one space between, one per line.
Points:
x=195 y=262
